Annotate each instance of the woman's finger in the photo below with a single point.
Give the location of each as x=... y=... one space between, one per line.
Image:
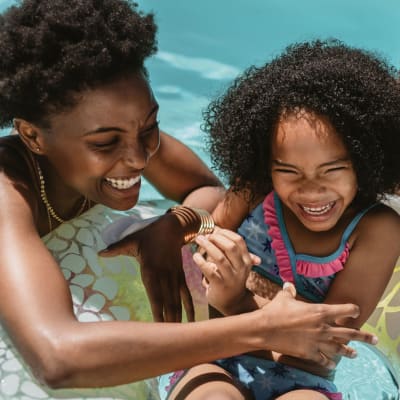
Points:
x=187 y=303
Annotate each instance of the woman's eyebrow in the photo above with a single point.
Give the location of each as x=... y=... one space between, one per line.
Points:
x=103 y=129
x=153 y=110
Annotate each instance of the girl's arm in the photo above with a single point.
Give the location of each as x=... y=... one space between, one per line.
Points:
x=375 y=248
x=229 y=215
x=232 y=209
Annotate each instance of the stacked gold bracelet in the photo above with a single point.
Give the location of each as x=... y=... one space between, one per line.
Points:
x=195 y=220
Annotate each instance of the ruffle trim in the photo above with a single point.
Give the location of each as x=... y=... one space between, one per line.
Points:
x=306 y=268
x=278 y=244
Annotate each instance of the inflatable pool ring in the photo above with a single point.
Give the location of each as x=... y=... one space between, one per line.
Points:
x=111 y=288
x=101 y=289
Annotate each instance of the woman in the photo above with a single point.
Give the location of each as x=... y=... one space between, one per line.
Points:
x=74 y=85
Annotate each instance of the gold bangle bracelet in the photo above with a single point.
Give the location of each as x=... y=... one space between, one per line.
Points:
x=196 y=220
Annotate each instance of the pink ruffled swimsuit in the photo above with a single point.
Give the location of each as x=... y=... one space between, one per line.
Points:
x=265 y=233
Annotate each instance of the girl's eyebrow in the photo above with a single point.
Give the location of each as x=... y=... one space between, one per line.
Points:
x=103 y=129
x=283 y=164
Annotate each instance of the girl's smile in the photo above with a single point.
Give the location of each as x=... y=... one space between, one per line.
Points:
x=311 y=170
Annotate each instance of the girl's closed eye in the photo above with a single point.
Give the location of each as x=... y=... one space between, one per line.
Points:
x=338 y=168
x=284 y=171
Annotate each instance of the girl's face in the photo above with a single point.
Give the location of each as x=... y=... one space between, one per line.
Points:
x=101 y=146
x=311 y=170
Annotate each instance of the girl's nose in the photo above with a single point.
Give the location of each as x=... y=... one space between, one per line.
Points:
x=311 y=186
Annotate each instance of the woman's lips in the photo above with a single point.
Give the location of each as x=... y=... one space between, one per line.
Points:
x=123 y=183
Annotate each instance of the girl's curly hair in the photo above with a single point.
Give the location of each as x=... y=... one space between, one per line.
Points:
x=50 y=49
x=355 y=89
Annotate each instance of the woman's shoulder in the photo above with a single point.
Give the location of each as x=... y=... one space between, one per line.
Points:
x=15 y=159
x=12 y=151
x=16 y=166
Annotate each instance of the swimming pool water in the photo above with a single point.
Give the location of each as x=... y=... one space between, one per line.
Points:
x=204 y=45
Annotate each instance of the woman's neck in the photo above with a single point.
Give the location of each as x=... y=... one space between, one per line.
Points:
x=60 y=200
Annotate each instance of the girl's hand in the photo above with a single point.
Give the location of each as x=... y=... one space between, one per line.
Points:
x=158 y=249
x=225 y=263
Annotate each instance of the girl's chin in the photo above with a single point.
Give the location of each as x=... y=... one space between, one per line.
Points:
x=319 y=223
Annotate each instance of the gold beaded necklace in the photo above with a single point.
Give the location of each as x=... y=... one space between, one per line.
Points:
x=49 y=208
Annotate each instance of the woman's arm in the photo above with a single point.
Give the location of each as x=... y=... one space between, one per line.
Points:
x=36 y=310
x=178 y=174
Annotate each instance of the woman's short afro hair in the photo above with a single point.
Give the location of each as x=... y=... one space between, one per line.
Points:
x=52 y=48
x=356 y=90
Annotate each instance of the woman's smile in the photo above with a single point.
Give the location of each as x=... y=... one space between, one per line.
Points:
x=123 y=183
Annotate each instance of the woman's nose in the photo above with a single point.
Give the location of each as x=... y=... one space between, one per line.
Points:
x=135 y=156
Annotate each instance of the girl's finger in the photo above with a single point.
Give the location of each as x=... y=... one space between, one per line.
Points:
x=208 y=269
x=215 y=257
x=234 y=248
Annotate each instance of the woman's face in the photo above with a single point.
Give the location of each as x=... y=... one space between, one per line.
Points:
x=101 y=146
x=311 y=171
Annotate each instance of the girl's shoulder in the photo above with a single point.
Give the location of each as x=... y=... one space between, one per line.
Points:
x=381 y=221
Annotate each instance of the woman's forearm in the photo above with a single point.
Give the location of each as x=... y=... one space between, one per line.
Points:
x=118 y=352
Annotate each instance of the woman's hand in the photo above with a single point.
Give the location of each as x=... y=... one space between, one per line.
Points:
x=225 y=263
x=158 y=249
x=310 y=330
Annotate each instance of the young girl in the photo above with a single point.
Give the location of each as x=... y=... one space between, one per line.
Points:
x=310 y=145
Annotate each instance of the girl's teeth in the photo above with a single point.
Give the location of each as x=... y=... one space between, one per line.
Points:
x=123 y=183
x=318 y=210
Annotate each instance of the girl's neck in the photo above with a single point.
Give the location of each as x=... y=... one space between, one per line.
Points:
x=321 y=243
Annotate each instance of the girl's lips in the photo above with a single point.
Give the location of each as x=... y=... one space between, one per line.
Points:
x=318 y=210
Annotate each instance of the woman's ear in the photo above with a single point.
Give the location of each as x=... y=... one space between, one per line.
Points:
x=30 y=135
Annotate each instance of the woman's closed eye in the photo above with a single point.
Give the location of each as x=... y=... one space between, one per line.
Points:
x=150 y=138
x=104 y=145
x=151 y=129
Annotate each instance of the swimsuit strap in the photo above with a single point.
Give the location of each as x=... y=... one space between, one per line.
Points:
x=291 y=263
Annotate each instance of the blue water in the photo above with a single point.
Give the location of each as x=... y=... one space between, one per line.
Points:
x=204 y=45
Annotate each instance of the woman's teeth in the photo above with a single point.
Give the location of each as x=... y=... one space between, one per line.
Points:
x=123 y=183
x=318 y=210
